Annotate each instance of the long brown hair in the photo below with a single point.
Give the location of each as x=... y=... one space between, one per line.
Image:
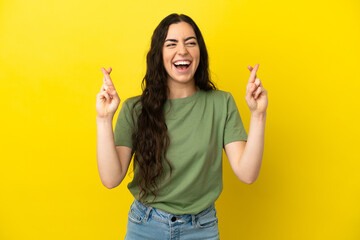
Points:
x=150 y=139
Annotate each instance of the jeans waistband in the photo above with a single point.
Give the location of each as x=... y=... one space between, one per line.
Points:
x=166 y=216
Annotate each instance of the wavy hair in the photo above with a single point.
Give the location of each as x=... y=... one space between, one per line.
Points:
x=150 y=138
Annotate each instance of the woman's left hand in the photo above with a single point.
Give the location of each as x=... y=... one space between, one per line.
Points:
x=256 y=94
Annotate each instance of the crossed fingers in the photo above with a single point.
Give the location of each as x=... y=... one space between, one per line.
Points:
x=253 y=73
x=254 y=85
x=108 y=84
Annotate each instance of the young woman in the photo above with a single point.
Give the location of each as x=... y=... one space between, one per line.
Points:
x=176 y=131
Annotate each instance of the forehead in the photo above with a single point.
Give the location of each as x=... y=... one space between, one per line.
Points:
x=180 y=30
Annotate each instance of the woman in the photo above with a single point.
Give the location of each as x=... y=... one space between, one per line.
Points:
x=176 y=130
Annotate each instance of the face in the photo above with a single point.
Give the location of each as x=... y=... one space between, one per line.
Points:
x=181 y=53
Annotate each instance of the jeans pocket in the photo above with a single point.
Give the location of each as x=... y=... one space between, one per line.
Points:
x=136 y=215
x=207 y=220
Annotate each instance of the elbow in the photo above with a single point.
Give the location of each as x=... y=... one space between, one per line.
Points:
x=110 y=185
x=247 y=181
x=250 y=181
x=107 y=185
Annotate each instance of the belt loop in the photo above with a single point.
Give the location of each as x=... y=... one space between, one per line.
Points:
x=193 y=220
x=147 y=214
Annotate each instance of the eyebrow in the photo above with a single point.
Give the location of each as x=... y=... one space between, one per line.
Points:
x=174 y=40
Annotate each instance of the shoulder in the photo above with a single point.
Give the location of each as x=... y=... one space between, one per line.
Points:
x=218 y=95
x=127 y=106
x=131 y=101
x=221 y=100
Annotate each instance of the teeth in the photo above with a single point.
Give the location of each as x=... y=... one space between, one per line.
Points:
x=182 y=63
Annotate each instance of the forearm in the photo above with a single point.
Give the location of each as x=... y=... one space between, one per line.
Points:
x=108 y=161
x=250 y=161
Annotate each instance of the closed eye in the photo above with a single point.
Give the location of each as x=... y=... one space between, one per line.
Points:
x=173 y=44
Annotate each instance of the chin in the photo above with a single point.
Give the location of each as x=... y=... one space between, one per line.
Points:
x=182 y=80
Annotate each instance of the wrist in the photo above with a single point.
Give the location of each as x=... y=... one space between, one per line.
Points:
x=104 y=120
x=258 y=116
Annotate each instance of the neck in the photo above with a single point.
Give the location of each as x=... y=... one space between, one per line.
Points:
x=178 y=90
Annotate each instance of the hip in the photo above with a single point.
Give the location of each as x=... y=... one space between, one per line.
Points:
x=146 y=222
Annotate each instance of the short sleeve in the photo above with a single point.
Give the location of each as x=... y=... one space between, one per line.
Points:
x=234 y=128
x=124 y=127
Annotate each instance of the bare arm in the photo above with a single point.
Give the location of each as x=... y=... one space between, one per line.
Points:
x=113 y=162
x=245 y=157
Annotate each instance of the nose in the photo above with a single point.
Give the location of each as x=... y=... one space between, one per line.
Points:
x=182 y=49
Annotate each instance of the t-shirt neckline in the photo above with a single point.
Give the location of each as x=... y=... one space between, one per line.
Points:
x=185 y=99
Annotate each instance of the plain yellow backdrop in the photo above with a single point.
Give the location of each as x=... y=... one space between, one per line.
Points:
x=51 y=53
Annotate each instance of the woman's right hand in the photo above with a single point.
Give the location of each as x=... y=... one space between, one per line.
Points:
x=107 y=100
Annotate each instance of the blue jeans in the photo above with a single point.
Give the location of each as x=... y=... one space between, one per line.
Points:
x=145 y=222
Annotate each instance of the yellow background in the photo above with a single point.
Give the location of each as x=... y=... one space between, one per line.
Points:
x=51 y=53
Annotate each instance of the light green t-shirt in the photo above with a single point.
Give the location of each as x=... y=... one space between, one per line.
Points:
x=199 y=126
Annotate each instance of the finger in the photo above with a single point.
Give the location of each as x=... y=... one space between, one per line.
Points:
x=258 y=85
x=249 y=94
x=101 y=95
x=106 y=96
x=251 y=88
x=107 y=79
x=258 y=92
x=108 y=70
x=112 y=92
x=253 y=73
x=251 y=68
x=258 y=82
x=104 y=78
x=103 y=87
x=100 y=98
x=248 y=87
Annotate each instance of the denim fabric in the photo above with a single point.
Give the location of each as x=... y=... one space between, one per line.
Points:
x=145 y=222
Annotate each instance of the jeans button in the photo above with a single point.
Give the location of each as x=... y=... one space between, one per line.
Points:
x=173 y=219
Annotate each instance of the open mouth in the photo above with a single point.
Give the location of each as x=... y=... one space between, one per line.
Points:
x=182 y=65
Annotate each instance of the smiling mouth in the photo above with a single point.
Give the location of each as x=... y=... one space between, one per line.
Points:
x=182 y=65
